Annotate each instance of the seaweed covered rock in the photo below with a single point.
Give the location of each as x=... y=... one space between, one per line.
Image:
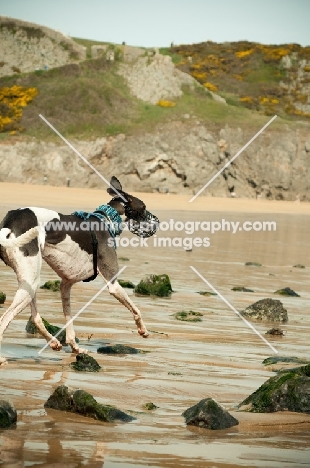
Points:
x=289 y=390
x=85 y=363
x=126 y=284
x=190 y=316
x=275 y=332
x=80 y=402
x=117 y=349
x=266 y=310
x=283 y=359
x=256 y=264
x=207 y=293
x=287 y=292
x=51 y=285
x=210 y=415
x=2 y=297
x=299 y=265
x=150 y=406
x=52 y=329
x=241 y=289
x=154 y=285
x=8 y=415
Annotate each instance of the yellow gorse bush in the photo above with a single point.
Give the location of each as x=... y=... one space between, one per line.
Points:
x=12 y=101
x=164 y=103
x=210 y=86
x=244 y=53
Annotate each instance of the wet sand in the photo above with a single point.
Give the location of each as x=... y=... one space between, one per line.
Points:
x=219 y=357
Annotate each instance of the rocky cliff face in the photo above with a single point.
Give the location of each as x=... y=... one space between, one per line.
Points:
x=27 y=47
x=180 y=157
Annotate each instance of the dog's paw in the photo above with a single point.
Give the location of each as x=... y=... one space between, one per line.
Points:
x=144 y=333
x=55 y=345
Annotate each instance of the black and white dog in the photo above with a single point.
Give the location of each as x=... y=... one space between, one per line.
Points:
x=28 y=234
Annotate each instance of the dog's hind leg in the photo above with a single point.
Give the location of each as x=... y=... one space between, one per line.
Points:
x=36 y=319
x=65 y=290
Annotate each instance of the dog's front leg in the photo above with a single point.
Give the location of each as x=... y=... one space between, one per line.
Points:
x=118 y=292
x=65 y=290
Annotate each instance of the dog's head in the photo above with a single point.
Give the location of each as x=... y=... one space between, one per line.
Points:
x=140 y=221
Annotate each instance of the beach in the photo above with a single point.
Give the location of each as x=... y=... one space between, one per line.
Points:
x=183 y=362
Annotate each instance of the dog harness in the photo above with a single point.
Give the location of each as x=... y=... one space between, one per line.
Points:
x=113 y=222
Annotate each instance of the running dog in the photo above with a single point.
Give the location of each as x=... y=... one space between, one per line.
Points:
x=29 y=234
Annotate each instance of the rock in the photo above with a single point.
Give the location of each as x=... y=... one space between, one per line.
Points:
x=299 y=266
x=8 y=415
x=287 y=292
x=289 y=390
x=266 y=310
x=80 y=402
x=190 y=316
x=126 y=284
x=276 y=359
x=2 y=297
x=85 y=363
x=275 y=332
x=207 y=293
x=51 y=285
x=241 y=289
x=209 y=414
x=118 y=349
x=154 y=285
x=52 y=329
x=150 y=406
x=253 y=264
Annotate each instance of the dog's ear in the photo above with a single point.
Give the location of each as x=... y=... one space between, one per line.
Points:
x=114 y=183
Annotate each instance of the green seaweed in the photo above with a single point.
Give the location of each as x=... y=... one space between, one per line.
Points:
x=8 y=415
x=190 y=316
x=150 y=406
x=287 y=292
x=85 y=363
x=154 y=285
x=126 y=284
x=117 y=349
x=2 y=297
x=288 y=390
x=51 y=285
x=84 y=403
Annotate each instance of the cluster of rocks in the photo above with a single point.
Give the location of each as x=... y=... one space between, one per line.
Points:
x=297 y=83
x=26 y=47
x=179 y=157
x=156 y=78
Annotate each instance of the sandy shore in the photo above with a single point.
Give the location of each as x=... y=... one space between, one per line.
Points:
x=52 y=197
x=219 y=357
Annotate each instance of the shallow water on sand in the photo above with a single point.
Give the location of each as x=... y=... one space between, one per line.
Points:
x=219 y=357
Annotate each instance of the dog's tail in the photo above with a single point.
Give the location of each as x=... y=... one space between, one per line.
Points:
x=19 y=241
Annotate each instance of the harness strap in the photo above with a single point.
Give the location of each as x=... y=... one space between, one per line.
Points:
x=94 y=242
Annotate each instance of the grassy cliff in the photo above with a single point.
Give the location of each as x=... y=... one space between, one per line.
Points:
x=89 y=99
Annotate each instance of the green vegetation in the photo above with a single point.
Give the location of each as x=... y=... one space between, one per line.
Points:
x=89 y=99
x=248 y=72
x=154 y=285
x=190 y=316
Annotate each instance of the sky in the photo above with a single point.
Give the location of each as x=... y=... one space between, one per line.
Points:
x=157 y=23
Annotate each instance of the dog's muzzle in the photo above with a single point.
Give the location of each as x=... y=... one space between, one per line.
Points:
x=141 y=225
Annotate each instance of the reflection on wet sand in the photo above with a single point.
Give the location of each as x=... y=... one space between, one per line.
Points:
x=219 y=357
